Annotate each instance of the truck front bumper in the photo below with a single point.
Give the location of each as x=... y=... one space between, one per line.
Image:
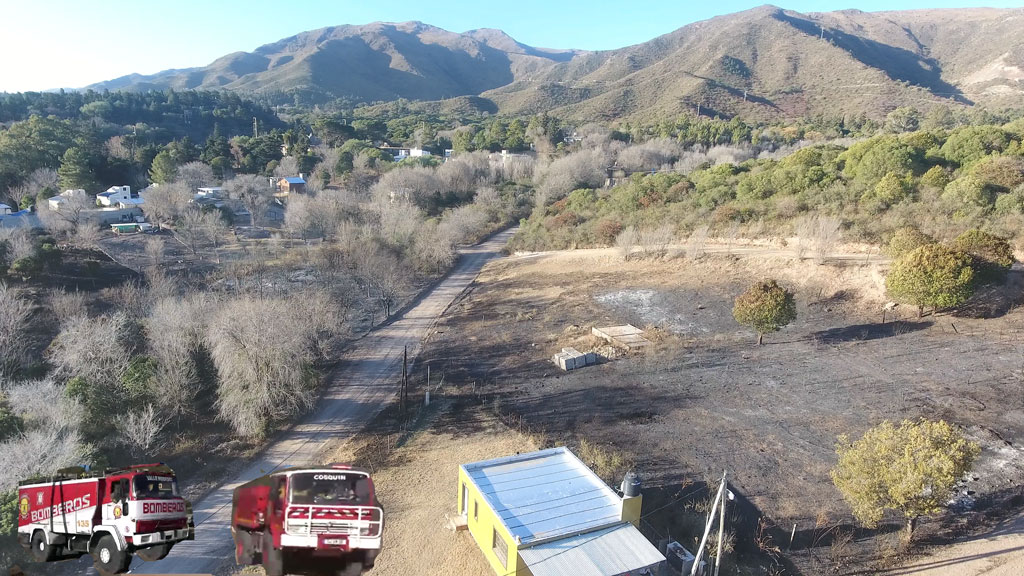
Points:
x=143 y=540
x=354 y=542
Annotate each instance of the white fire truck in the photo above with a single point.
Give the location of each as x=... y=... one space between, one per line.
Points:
x=113 y=515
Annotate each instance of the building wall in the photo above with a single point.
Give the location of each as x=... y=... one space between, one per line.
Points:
x=482 y=527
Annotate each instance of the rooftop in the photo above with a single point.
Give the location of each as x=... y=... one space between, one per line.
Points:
x=621 y=549
x=295 y=180
x=541 y=496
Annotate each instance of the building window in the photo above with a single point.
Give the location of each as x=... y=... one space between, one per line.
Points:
x=476 y=516
x=500 y=548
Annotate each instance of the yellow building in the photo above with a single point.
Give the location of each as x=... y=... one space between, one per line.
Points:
x=546 y=513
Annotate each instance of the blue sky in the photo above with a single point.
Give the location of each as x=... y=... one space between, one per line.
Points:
x=71 y=43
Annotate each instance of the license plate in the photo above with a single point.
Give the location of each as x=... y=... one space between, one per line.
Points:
x=336 y=541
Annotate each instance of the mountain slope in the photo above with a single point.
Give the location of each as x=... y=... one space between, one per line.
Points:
x=379 y=61
x=764 y=63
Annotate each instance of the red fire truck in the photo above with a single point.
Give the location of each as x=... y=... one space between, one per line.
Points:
x=308 y=519
x=110 y=515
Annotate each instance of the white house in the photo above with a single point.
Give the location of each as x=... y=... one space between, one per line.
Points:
x=5 y=210
x=117 y=195
x=210 y=192
x=56 y=201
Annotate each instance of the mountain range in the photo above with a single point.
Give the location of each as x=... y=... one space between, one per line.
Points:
x=764 y=63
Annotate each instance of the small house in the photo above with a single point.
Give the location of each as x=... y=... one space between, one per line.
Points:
x=292 y=184
x=118 y=195
x=57 y=201
x=5 y=210
x=546 y=513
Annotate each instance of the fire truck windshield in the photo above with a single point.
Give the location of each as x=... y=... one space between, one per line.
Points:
x=148 y=486
x=330 y=489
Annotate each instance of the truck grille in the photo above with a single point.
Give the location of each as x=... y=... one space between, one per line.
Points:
x=321 y=527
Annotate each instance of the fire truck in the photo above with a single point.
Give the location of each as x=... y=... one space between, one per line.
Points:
x=110 y=515
x=313 y=519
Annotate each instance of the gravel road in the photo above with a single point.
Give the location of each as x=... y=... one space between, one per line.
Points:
x=365 y=381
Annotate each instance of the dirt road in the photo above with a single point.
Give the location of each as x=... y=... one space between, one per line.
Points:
x=998 y=553
x=362 y=385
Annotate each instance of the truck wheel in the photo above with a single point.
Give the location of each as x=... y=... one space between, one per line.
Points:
x=273 y=558
x=244 y=553
x=369 y=557
x=351 y=569
x=41 y=551
x=108 y=559
x=154 y=553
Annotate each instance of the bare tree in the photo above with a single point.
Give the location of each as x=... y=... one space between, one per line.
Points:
x=15 y=312
x=585 y=169
x=72 y=211
x=193 y=229
x=433 y=249
x=194 y=175
x=167 y=202
x=254 y=192
x=827 y=233
x=655 y=241
x=396 y=222
x=67 y=305
x=87 y=235
x=385 y=276
x=465 y=224
x=261 y=350
x=175 y=330
x=139 y=430
x=50 y=435
x=19 y=243
x=288 y=166
x=657 y=154
x=154 y=249
x=95 y=349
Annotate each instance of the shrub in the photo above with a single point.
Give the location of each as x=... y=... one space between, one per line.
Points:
x=992 y=256
x=906 y=240
x=931 y=275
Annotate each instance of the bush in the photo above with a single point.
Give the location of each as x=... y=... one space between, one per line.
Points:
x=765 y=307
x=992 y=256
x=931 y=275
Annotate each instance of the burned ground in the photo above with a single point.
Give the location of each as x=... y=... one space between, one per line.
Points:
x=704 y=399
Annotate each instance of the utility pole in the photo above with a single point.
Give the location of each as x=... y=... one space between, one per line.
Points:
x=721 y=530
x=722 y=493
x=405 y=380
x=822 y=31
x=255 y=128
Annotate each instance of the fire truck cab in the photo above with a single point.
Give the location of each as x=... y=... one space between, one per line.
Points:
x=308 y=519
x=122 y=512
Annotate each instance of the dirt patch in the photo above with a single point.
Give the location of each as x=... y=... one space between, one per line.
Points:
x=704 y=399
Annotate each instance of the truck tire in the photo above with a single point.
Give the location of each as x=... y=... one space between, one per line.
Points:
x=245 y=553
x=351 y=569
x=41 y=551
x=273 y=558
x=107 y=559
x=369 y=557
x=154 y=553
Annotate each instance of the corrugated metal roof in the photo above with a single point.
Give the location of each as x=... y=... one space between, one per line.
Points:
x=544 y=495
x=608 y=552
x=295 y=180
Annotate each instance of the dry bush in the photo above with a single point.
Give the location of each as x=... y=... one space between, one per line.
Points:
x=87 y=235
x=434 y=248
x=655 y=241
x=15 y=312
x=175 y=331
x=288 y=166
x=19 y=243
x=154 y=249
x=414 y=184
x=395 y=222
x=254 y=192
x=826 y=234
x=518 y=169
x=626 y=241
x=465 y=224
x=696 y=244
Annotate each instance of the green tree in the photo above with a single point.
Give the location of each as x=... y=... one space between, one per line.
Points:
x=75 y=170
x=935 y=177
x=992 y=255
x=903 y=119
x=970 y=191
x=891 y=189
x=906 y=240
x=765 y=307
x=972 y=143
x=163 y=169
x=932 y=275
x=911 y=468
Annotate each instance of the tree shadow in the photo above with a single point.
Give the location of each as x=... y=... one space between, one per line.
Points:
x=864 y=332
x=995 y=300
